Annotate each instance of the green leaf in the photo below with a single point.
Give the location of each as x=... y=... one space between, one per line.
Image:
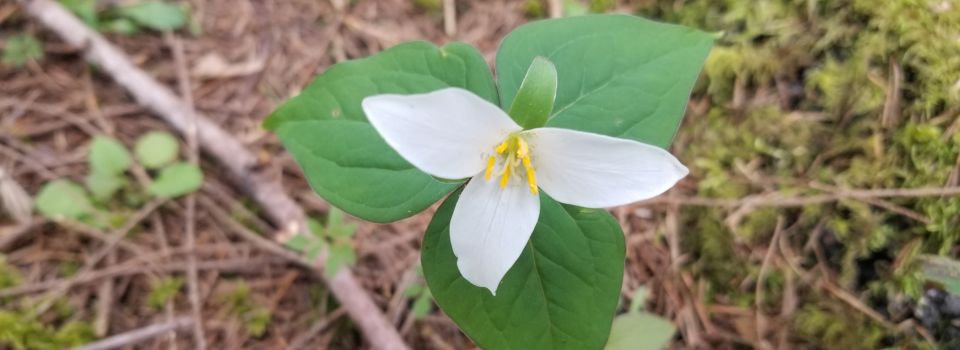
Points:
x=299 y=242
x=640 y=331
x=942 y=270
x=21 y=49
x=176 y=180
x=337 y=228
x=344 y=158
x=156 y=15
x=156 y=149
x=85 y=9
x=534 y=100
x=64 y=199
x=120 y=26
x=560 y=294
x=639 y=299
x=108 y=156
x=341 y=256
x=423 y=304
x=104 y=186
x=618 y=75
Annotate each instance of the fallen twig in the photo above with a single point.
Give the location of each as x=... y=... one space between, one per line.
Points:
x=138 y=335
x=193 y=285
x=223 y=147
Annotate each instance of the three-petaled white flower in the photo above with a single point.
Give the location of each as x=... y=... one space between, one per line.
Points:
x=453 y=134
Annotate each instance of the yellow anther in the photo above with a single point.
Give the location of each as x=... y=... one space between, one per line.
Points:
x=489 y=172
x=505 y=178
x=526 y=163
x=531 y=178
x=502 y=147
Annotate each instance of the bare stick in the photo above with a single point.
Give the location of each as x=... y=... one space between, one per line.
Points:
x=450 y=17
x=240 y=162
x=138 y=335
x=193 y=284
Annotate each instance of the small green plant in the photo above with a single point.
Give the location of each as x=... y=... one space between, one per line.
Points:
x=109 y=163
x=336 y=235
x=163 y=290
x=21 y=49
x=578 y=119
x=422 y=299
x=130 y=18
x=640 y=330
x=255 y=318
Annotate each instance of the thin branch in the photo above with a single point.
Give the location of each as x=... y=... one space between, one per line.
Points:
x=222 y=146
x=138 y=335
x=193 y=284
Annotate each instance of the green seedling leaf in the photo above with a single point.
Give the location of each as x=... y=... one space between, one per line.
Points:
x=422 y=306
x=104 y=186
x=85 y=9
x=560 y=294
x=176 y=180
x=341 y=256
x=156 y=149
x=120 y=26
x=534 y=100
x=618 y=75
x=344 y=158
x=315 y=227
x=337 y=228
x=21 y=49
x=108 y=156
x=639 y=299
x=640 y=331
x=299 y=243
x=156 y=15
x=942 y=270
x=64 y=199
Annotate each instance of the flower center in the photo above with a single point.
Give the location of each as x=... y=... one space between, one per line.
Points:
x=511 y=153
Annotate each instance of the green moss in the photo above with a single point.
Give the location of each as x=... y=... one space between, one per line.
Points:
x=803 y=91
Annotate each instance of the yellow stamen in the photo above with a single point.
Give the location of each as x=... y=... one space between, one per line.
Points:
x=532 y=179
x=505 y=178
x=523 y=150
x=502 y=147
x=489 y=172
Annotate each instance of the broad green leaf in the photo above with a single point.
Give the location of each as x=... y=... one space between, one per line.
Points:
x=942 y=270
x=618 y=75
x=344 y=158
x=534 y=100
x=156 y=15
x=123 y=26
x=176 y=180
x=156 y=149
x=108 y=156
x=20 y=49
x=104 y=186
x=560 y=294
x=640 y=331
x=341 y=256
x=64 y=199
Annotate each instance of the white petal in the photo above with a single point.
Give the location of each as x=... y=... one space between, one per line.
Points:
x=598 y=171
x=490 y=227
x=444 y=133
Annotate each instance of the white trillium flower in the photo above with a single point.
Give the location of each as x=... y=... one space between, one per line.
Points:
x=453 y=134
